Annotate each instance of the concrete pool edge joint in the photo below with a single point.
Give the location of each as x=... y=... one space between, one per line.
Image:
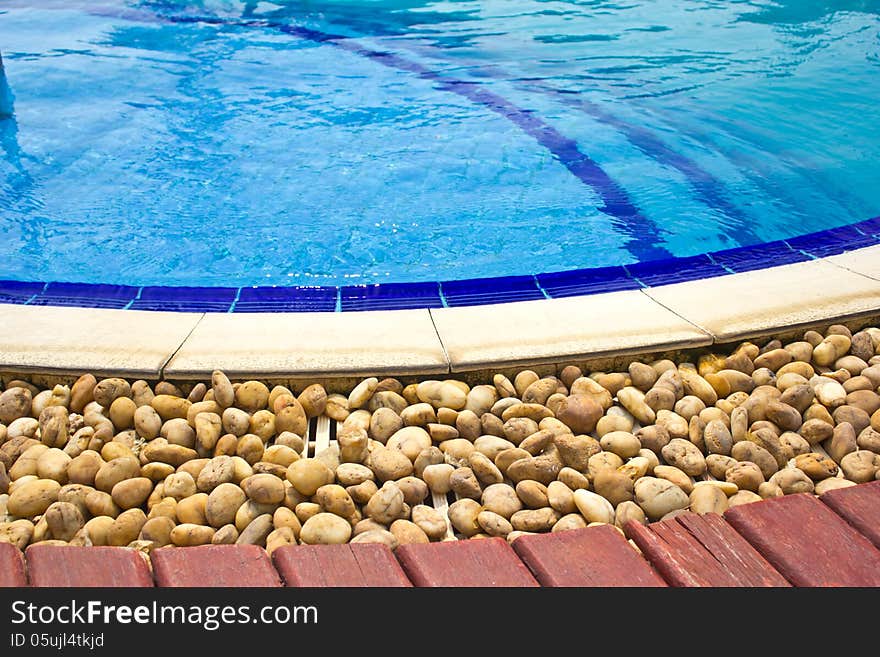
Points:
x=439 y=341
x=440 y=294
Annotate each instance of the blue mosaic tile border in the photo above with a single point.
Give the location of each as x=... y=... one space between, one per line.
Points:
x=469 y=292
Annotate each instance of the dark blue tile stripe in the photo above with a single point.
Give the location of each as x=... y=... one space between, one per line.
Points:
x=587 y=281
x=831 y=242
x=476 y=291
x=758 y=256
x=675 y=270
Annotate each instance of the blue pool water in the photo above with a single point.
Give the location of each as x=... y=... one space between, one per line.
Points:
x=227 y=143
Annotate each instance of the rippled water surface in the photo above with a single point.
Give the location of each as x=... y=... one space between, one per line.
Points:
x=241 y=143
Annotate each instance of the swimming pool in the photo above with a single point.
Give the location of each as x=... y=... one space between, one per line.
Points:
x=221 y=155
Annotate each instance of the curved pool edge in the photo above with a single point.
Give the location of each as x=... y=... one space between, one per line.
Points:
x=67 y=341
x=445 y=294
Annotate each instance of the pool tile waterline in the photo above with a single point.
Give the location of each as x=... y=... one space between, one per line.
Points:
x=426 y=295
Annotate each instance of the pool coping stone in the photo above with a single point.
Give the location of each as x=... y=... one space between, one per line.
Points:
x=58 y=340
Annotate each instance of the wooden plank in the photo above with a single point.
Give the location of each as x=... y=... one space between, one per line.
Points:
x=485 y=562
x=349 y=565
x=860 y=506
x=807 y=542
x=321 y=435
x=12 y=571
x=702 y=550
x=594 y=556
x=77 y=566
x=442 y=505
x=306 y=451
x=214 y=566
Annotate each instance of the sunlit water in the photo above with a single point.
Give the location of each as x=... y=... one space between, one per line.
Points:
x=231 y=143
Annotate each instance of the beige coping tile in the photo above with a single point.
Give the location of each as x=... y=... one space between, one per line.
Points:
x=763 y=301
x=277 y=345
x=862 y=261
x=65 y=340
x=548 y=330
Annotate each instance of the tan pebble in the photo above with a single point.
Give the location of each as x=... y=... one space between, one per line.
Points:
x=654 y=437
x=685 y=456
x=490 y=445
x=769 y=490
x=649 y=458
x=657 y=497
x=742 y=497
x=131 y=493
x=157 y=530
x=484 y=469
x=534 y=412
x=633 y=400
x=576 y=451
x=613 y=422
x=544 y=469
x=82 y=392
x=614 y=486
x=569 y=522
x=442 y=393
x=676 y=476
x=535 y=520
x=580 y=413
x=107 y=391
x=308 y=475
x=832 y=483
x=745 y=475
x=464 y=483
x=410 y=441
x=463 y=516
x=126 y=527
x=573 y=479
x=64 y=520
x=386 y=505
x=256 y=531
x=523 y=380
x=189 y=534
x=642 y=376
x=860 y=466
x=660 y=399
x=729 y=488
x=603 y=461
x=539 y=391
x=380 y=536
x=622 y=443
x=816 y=466
x=431 y=456
x=593 y=507
x=503 y=386
x=501 y=499
x=629 y=511
x=708 y=499
x=223 y=503
x=533 y=494
x=793 y=480
x=494 y=524
x=869 y=439
x=430 y=521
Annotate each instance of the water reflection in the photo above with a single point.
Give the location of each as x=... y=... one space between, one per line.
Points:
x=6 y=97
x=807 y=11
x=18 y=185
x=390 y=17
x=8 y=124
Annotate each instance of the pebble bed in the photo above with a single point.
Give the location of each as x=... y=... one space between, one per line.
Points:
x=114 y=462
